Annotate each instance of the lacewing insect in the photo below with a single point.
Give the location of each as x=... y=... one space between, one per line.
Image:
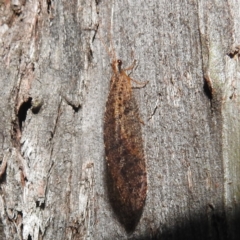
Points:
x=124 y=152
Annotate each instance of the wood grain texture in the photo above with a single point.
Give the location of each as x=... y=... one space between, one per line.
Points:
x=127 y=182
x=191 y=142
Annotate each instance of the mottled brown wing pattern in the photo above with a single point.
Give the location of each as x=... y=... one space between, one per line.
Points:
x=126 y=167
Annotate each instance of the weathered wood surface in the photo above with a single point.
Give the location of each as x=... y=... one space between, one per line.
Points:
x=54 y=81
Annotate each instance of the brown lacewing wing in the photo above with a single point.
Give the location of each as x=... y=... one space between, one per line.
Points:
x=126 y=167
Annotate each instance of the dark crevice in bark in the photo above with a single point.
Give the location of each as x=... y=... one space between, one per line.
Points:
x=49 y=3
x=153 y=113
x=40 y=204
x=3 y=168
x=17 y=8
x=97 y=1
x=3 y=174
x=14 y=134
x=75 y=105
x=22 y=112
x=56 y=122
x=90 y=55
x=95 y=33
x=233 y=95
x=231 y=55
x=235 y=51
x=208 y=89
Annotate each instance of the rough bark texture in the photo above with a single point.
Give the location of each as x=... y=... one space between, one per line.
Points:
x=54 y=81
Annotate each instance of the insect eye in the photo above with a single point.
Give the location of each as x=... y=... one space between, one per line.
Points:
x=119 y=62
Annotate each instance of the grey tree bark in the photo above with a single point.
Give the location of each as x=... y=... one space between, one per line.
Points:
x=55 y=72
